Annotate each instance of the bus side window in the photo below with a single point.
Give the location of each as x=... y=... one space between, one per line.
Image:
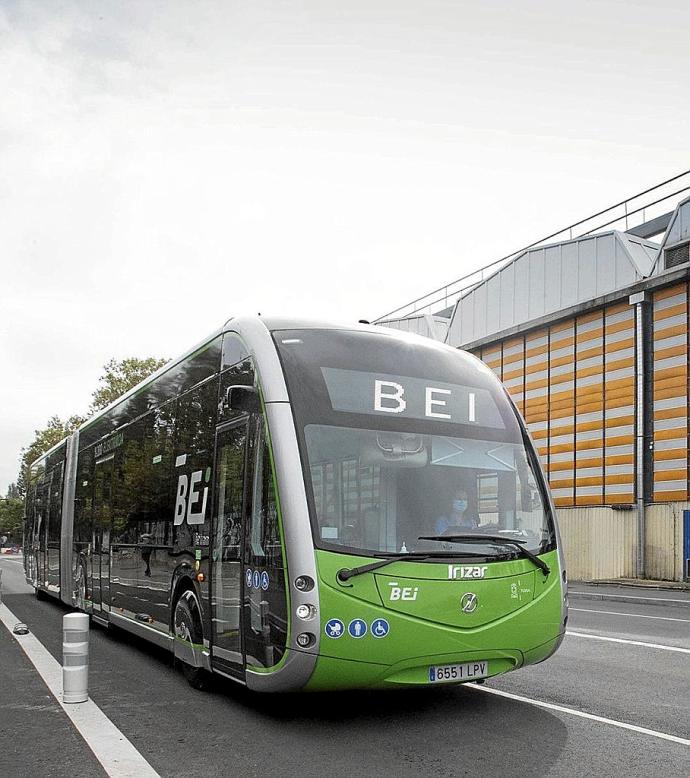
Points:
x=234 y=350
x=266 y=604
x=193 y=460
x=238 y=369
x=82 y=502
x=264 y=531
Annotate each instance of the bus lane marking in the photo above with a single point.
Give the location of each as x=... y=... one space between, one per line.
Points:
x=620 y=613
x=118 y=757
x=629 y=642
x=581 y=714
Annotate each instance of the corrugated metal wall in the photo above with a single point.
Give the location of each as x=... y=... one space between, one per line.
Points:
x=664 y=541
x=619 y=404
x=671 y=393
x=561 y=432
x=574 y=383
x=598 y=542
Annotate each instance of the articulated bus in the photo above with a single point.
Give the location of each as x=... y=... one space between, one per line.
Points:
x=308 y=506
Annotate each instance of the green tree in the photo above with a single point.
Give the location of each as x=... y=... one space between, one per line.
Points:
x=44 y=439
x=119 y=377
x=11 y=512
x=13 y=492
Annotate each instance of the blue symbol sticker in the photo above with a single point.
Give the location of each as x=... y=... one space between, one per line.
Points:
x=264 y=580
x=357 y=628
x=379 y=628
x=335 y=628
x=256 y=580
x=248 y=577
x=432 y=673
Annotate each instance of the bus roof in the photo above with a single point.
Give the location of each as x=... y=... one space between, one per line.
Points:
x=271 y=323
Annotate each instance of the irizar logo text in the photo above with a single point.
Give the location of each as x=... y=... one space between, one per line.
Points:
x=460 y=571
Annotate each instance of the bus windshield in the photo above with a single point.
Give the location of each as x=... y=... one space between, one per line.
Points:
x=401 y=440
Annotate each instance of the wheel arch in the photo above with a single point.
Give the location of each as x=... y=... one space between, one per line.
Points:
x=183 y=580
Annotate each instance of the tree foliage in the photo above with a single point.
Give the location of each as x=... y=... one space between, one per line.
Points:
x=119 y=377
x=11 y=511
x=44 y=439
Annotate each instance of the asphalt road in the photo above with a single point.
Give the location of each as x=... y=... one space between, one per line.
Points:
x=448 y=731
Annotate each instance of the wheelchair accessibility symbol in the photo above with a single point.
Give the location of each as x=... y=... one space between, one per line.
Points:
x=379 y=628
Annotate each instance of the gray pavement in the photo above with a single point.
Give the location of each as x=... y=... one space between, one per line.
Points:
x=435 y=732
x=630 y=593
x=28 y=708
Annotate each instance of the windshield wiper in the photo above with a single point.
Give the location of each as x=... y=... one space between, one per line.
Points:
x=478 y=537
x=346 y=573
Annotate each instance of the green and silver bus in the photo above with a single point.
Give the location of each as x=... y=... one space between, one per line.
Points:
x=308 y=506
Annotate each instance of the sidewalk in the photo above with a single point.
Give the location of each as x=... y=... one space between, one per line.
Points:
x=37 y=737
x=643 y=592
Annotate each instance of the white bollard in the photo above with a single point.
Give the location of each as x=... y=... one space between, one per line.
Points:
x=75 y=657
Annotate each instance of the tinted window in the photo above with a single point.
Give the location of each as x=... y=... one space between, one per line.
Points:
x=192 y=463
x=242 y=374
x=234 y=350
x=264 y=544
x=177 y=379
x=265 y=603
x=83 y=498
x=55 y=523
x=145 y=507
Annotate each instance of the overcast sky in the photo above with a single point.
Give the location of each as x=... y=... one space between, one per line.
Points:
x=166 y=165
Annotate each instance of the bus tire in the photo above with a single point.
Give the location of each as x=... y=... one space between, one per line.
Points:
x=189 y=638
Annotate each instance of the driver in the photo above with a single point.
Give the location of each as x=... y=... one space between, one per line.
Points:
x=458 y=517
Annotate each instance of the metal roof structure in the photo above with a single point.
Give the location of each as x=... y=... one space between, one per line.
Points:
x=550 y=278
x=677 y=234
x=643 y=215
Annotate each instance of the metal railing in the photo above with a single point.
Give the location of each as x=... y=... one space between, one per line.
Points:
x=626 y=214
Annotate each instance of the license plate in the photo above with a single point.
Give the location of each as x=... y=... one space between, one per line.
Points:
x=466 y=672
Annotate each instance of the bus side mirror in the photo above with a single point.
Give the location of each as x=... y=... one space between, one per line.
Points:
x=242 y=398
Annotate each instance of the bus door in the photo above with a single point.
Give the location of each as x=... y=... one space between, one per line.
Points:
x=41 y=516
x=54 y=528
x=227 y=536
x=100 y=539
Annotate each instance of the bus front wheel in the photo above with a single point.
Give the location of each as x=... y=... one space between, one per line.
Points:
x=189 y=638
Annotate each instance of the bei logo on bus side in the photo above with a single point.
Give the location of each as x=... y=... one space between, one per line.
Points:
x=190 y=502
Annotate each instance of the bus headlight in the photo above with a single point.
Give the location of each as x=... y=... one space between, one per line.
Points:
x=305 y=639
x=304 y=583
x=305 y=612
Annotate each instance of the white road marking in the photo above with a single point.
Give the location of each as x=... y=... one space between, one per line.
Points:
x=629 y=642
x=581 y=714
x=619 y=613
x=120 y=759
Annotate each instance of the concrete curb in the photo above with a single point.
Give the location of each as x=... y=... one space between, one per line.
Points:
x=630 y=598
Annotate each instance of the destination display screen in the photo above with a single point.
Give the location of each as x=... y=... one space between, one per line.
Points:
x=384 y=394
